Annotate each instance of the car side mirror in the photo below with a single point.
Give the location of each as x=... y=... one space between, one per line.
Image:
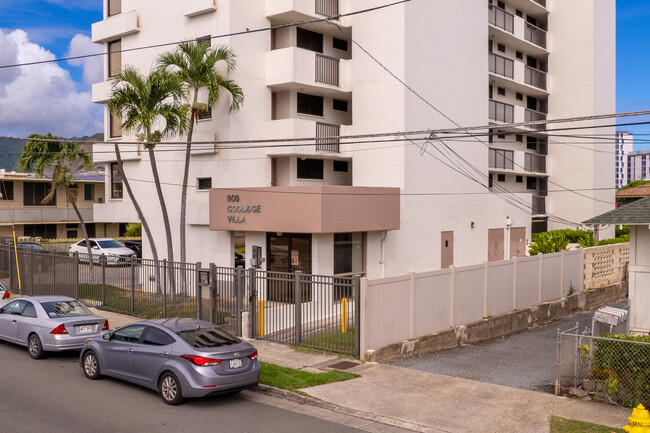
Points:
x=107 y=336
x=95 y=247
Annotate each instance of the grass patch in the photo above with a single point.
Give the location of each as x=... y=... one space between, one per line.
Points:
x=561 y=425
x=323 y=352
x=332 y=341
x=292 y=379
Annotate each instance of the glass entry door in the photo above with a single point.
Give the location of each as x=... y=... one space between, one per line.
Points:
x=287 y=253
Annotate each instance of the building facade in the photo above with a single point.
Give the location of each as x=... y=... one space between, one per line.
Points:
x=385 y=206
x=638 y=165
x=624 y=146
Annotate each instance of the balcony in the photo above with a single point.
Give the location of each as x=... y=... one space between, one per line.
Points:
x=501 y=65
x=538 y=205
x=501 y=159
x=534 y=163
x=327 y=70
x=540 y=2
x=101 y=92
x=500 y=112
x=501 y=18
x=516 y=33
x=535 y=35
x=199 y=7
x=300 y=10
x=115 y=27
x=328 y=130
x=43 y=216
x=535 y=116
x=535 y=77
x=291 y=68
x=328 y=8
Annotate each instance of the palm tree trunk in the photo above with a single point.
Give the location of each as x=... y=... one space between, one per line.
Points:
x=168 y=229
x=186 y=175
x=85 y=232
x=143 y=220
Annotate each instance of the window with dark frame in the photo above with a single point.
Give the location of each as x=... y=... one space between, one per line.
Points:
x=340 y=105
x=35 y=192
x=531 y=143
x=309 y=40
x=519 y=137
x=341 y=166
x=45 y=231
x=519 y=179
x=490 y=181
x=519 y=55
x=501 y=136
x=519 y=96
x=6 y=190
x=116 y=182
x=501 y=91
x=501 y=47
x=531 y=183
x=89 y=192
x=340 y=44
x=501 y=177
x=310 y=169
x=204 y=183
x=114 y=58
x=310 y=104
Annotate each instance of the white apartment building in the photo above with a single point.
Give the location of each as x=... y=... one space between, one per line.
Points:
x=624 y=145
x=638 y=165
x=391 y=205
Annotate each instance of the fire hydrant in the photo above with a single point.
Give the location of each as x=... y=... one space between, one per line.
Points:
x=639 y=421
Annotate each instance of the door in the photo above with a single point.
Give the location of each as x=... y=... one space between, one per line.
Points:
x=446 y=249
x=287 y=253
x=9 y=319
x=118 y=351
x=151 y=356
x=495 y=245
x=517 y=242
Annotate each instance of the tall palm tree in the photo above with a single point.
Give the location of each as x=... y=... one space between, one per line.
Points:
x=45 y=151
x=144 y=102
x=195 y=64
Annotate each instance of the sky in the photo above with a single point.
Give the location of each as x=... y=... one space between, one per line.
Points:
x=57 y=97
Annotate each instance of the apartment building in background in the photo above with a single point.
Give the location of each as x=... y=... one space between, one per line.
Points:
x=385 y=206
x=623 y=148
x=638 y=165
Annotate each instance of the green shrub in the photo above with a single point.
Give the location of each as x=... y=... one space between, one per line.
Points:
x=548 y=242
x=133 y=230
x=621 y=232
x=573 y=236
x=614 y=241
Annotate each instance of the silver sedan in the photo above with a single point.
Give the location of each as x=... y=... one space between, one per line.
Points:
x=177 y=357
x=49 y=323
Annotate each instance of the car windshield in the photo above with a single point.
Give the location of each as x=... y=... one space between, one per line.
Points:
x=208 y=337
x=65 y=309
x=110 y=244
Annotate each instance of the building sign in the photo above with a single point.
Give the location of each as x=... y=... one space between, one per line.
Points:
x=295 y=258
x=236 y=212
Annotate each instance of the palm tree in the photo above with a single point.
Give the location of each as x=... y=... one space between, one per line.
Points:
x=44 y=151
x=143 y=102
x=195 y=64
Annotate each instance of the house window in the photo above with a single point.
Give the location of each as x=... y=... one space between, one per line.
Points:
x=115 y=126
x=116 y=182
x=45 y=231
x=35 y=192
x=310 y=169
x=519 y=96
x=89 y=192
x=519 y=55
x=114 y=7
x=339 y=105
x=501 y=177
x=205 y=114
x=501 y=47
x=204 y=183
x=519 y=179
x=501 y=91
x=114 y=58
x=341 y=166
x=340 y=44
x=310 y=104
x=309 y=40
x=6 y=190
x=531 y=183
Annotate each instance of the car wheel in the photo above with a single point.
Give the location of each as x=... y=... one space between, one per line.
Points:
x=170 y=389
x=34 y=347
x=91 y=365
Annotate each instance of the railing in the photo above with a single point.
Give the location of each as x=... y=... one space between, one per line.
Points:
x=535 y=35
x=535 y=77
x=503 y=159
x=500 y=18
x=501 y=112
x=327 y=130
x=540 y=2
x=501 y=65
x=328 y=8
x=535 y=116
x=44 y=215
x=535 y=163
x=539 y=205
x=327 y=70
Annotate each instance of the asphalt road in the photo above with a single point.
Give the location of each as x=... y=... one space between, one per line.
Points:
x=53 y=395
x=526 y=360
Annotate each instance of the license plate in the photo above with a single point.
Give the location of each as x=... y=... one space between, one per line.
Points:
x=235 y=363
x=85 y=328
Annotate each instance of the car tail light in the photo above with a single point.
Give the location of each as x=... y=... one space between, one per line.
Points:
x=200 y=360
x=105 y=328
x=59 y=330
x=5 y=295
x=253 y=355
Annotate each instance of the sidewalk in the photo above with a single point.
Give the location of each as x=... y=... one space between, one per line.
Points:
x=427 y=402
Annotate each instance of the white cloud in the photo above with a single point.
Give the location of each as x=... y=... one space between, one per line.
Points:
x=43 y=98
x=93 y=67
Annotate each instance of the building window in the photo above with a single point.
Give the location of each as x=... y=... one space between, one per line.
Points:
x=501 y=91
x=309 y=40
x=204 y=183
x=519 y=96
x=501 y=47
x=348 y=253
x=116 y=182
x=115 y=126
x=114 y=7
x=519 y=137
x=35 y=192
x=310 y=104
x=89 y=192
x=531 y=143
x=519 y=179
x=6 y=190
x=490 y=180
x=71 y=231
x=339 y=105
x=519 y=55
x=340 y=44
x=204 y=40
x=114 y=58
x=501 y=177
x=310 y=169
x=341 y=166
x=205 y=114
x=45 y=231
x=501 y=135
x=531 y=183
x=519 y=13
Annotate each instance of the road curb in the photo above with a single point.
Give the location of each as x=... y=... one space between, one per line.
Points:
x=311 y=401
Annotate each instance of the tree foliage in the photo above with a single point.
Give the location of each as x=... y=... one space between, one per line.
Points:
x=548 y=242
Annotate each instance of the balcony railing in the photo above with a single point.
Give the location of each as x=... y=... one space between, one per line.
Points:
x=328 y=8
x=501 y=65
x=535 y=35
x=503 y=159
x=539 y=205
x=535 y=116
x=501 y=112
x=535 y=163
x=327 y=130
x=500 y=18
x=540 y=2
x=327 y=70
x=535 y=77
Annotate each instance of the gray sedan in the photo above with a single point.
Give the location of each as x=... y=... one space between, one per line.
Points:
x=177 y=357
x=49 y=323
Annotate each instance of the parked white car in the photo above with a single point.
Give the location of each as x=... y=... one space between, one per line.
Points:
x=114 y=251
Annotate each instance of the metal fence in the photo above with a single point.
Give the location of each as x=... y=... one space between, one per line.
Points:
x=610 y=368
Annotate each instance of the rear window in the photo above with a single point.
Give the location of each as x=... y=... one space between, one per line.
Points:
x=65 y=309
x=208 y=337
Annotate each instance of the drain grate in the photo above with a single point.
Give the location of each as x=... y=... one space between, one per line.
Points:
x=344 y=365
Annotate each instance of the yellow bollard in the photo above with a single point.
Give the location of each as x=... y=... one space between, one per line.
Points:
x=639 y=421
x=344 y=307
x=260 y=319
